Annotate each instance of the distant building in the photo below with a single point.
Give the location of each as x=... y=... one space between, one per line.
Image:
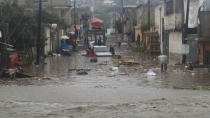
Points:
x=129 y=18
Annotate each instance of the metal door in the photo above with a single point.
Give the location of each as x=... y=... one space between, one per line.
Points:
x=193 y=52
x=165 y=39
x=166 y=43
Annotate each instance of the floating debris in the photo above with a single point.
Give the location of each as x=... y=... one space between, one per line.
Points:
x=129 y=63
x=94 y=60
x=82 y=73
x=79 y=70
x=123 y=74
x=151 y=73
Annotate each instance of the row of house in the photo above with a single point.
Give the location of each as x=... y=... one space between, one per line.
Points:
x=181 y=25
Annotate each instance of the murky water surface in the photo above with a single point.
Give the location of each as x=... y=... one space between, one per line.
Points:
x=57 y=91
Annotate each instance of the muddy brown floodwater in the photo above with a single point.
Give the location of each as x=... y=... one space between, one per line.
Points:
x=57 y=91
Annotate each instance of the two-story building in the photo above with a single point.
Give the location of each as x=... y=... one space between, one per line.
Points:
x=184 y=42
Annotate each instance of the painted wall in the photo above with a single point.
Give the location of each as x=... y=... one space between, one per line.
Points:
x=175 y=42
x=175 y=47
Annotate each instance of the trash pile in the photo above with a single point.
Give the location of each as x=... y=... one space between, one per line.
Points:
x=151 y=73
x=81 y=71
x=115 y=71
x=105 y=63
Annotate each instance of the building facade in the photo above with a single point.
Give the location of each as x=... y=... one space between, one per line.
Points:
x=184 y=42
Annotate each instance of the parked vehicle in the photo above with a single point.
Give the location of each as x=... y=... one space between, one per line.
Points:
x=102 y=51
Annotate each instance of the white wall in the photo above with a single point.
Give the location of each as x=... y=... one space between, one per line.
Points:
x=47 y=43
x=173 y=21
x=159 y=14
x=175 y=43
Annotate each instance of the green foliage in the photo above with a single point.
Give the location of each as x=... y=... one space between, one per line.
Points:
x=52 y=18
x=23 y=26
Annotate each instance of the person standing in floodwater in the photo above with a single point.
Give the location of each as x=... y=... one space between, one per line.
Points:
x=112 y=50
x=119 y=43
x=99 y=41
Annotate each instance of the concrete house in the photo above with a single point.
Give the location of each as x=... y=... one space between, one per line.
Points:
x=173 y=24
x=181 y=39
x=169 y=22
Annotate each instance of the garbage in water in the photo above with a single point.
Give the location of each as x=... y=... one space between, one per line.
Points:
x=117 y=57
x=99 y=70
x=105 y=63
x=57 y=55
x=94 y=60
x=114 y=69
x=14 y=73
x=123 y=44
x=46 y=78
x=113 y=74
x=151 y=73
x=79 y=70
x=82 y=73
x=123 y=74
x=129 y=63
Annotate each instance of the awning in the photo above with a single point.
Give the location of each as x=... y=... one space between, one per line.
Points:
x=97 y=23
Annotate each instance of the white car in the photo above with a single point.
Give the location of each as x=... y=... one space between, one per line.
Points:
x=102 y=51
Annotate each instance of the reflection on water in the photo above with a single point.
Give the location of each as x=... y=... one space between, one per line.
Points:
x=57 y=92
x=56 y=72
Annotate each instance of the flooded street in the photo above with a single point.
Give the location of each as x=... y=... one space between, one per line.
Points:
x=57 y=91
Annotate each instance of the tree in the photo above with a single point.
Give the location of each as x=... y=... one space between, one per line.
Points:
x=23 y=27
x=118 y=25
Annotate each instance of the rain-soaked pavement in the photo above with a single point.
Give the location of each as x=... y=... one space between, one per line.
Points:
x=57 y=91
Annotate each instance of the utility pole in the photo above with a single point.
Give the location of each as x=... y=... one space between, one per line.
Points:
x=122 y=1
x=115 y=20
x=187 y=17
x=75 y=16
x=149 y=23
x=184 y=41
x=38 y=42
